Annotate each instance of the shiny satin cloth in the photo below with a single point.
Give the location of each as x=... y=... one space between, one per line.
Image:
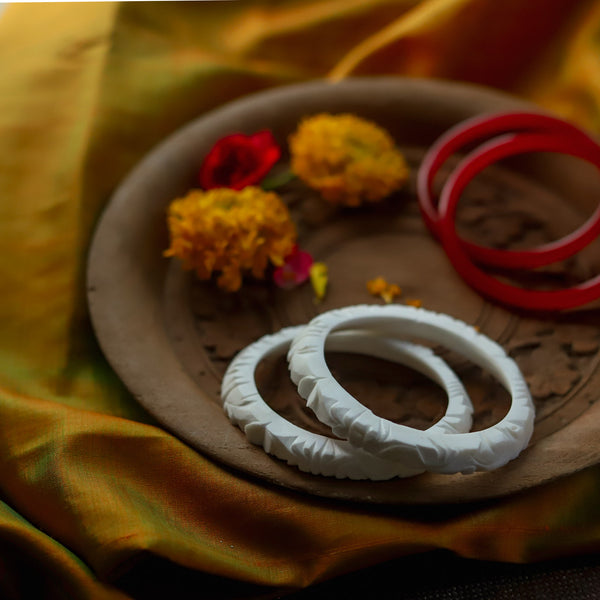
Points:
x=90 y=486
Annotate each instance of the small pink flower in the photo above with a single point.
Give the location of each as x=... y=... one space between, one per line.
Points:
x=295 y=270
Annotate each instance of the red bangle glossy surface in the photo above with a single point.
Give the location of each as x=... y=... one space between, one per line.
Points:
x=488 y=153
x=480 y=128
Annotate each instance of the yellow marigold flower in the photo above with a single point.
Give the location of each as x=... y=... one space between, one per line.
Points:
x=230 y=232
x=380 y=287
x=349 y=160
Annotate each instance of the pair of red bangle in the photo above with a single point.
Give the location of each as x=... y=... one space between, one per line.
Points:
x=511 y=134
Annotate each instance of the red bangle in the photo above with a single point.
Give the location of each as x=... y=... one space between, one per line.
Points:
x=479 y=128
x=487 y=285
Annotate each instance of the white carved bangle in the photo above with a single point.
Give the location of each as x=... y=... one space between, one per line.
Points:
x=319 y=454
x=432 y=450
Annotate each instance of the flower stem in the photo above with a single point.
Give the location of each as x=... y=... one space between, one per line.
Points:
x=271 y=182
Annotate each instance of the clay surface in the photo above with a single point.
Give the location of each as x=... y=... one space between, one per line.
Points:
x=170 y=337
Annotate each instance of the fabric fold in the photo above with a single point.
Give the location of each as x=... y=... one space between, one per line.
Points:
x=89 y=481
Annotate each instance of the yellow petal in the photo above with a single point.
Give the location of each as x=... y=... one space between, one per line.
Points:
x=319 y=279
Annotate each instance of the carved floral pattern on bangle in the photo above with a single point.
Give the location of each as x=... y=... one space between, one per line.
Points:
x=316 y=453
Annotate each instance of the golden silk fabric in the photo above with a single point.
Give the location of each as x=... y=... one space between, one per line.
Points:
x=88 y=483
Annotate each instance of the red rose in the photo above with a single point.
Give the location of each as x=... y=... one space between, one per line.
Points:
x=239 y=160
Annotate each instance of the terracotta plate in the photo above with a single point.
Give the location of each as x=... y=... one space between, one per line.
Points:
x=170 y=337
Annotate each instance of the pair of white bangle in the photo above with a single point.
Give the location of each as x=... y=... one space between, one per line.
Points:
x=373 y=447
